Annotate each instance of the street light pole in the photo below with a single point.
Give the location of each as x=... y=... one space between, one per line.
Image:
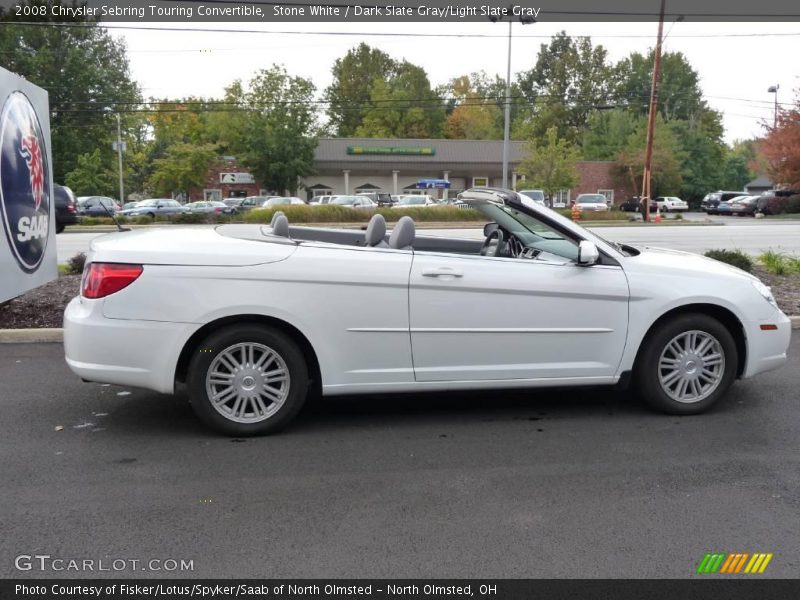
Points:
x=507 y=113
x=773 y=89
x=119 y=157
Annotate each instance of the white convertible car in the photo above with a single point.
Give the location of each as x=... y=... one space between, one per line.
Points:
x=254 y=318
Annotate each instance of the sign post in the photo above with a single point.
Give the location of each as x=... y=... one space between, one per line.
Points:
x=28 y=256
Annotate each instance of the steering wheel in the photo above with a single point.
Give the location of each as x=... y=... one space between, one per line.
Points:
x=493 y=250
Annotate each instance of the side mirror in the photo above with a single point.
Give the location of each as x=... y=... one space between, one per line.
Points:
x=489 y=228
x=587 y=253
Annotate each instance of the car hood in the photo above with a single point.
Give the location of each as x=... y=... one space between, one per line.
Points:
x=686 y=262
x=191 y=246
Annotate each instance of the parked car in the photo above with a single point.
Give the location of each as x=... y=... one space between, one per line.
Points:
x=239 y=205
x=129 y=205
x=283 y=201
x=562 y=307
x=591 y=202
x=711 y=201
x=321 y=200
x=209 y=207
x=632 y=204
x=360 y=202
x=95 y=206
x=671 y=204
x=66 y=207
x=415 y=201
x=534 y=196
x=740 y=205
x=379 y=198
x=154 y=207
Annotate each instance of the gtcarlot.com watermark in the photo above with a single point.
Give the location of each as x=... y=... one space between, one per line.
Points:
x=46 y=562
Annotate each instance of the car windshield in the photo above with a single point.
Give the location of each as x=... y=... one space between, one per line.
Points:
x=144 y=203
x=406 y=200
x=344 y=200
x=592 y=199
x=530 y=231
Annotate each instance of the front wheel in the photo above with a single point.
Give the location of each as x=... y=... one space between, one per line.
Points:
x=247 y=380
x=686 y=364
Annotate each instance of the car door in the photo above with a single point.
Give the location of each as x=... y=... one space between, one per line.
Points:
x=481 y=318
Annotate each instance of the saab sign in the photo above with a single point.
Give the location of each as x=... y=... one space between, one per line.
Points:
x=27 y=252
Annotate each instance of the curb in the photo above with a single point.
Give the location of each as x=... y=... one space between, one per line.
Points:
x=31 y=336
x=56 y=334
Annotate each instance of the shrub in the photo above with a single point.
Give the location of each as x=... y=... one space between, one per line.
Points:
x=76 y=263
x=775 y=262
x=778 y=205
x=343 y=214
x=737 y=258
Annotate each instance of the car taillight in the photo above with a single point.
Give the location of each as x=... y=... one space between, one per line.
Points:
x=102 y=279
x=71 y=206
x=217 y=210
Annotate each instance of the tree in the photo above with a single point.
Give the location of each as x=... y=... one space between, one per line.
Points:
x=703 y=153
x=781 y=148
x=277 y=135
x=569 y=80
x=403 y=106
x=679 y=93
x=475 y=115
x=666 y=176
x=550 y=165
x=183 y=167
x=85 y=72
x=607 y=133
x=91 y=176
x=353 y=78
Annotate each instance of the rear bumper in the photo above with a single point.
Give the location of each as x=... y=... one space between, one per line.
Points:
x=767 y=350
x=140 y=354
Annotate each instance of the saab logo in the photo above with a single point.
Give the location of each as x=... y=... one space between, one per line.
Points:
x=25 y=194
x=735 y=562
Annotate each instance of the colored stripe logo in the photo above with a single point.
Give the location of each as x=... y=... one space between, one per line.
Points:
x=734 y=563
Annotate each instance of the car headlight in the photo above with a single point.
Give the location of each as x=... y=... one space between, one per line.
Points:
x=765 y=292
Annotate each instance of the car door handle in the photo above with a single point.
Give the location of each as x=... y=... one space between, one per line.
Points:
x=442 y=272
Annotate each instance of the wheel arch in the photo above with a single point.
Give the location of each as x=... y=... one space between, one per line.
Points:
x=297 y=336
x=720 y=313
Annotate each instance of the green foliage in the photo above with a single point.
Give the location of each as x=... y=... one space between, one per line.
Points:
x=474 y=107
x=80 y=67
x=569 y=80
x=403 y=105
x=353 y=77
x=91 y=177
x=666 y=164
x=277 y=138
x=343 y=214
x=550 y=165
x=607 y=133
x=183 y=167
x=737 y=258
x=679 y=93
x=776 y=263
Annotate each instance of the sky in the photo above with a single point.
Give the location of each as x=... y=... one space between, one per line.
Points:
x=735 y=66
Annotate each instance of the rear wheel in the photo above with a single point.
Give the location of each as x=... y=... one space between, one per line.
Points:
x=247 y=379
x=686 y=364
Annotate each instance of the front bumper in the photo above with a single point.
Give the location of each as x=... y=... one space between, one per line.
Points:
x=767 y=350
x=130 y=352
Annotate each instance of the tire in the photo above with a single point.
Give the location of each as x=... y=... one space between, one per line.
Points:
x=281 y=401
x=152 y=216
x=701 y=395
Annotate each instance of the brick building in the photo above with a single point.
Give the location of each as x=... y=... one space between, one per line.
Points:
x=353 y=165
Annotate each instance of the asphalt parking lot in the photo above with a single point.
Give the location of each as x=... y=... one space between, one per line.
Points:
x=525 y=484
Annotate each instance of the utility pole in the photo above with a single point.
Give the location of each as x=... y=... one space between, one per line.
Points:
x=651 y=121
x=119 y=157
x=773 y=89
